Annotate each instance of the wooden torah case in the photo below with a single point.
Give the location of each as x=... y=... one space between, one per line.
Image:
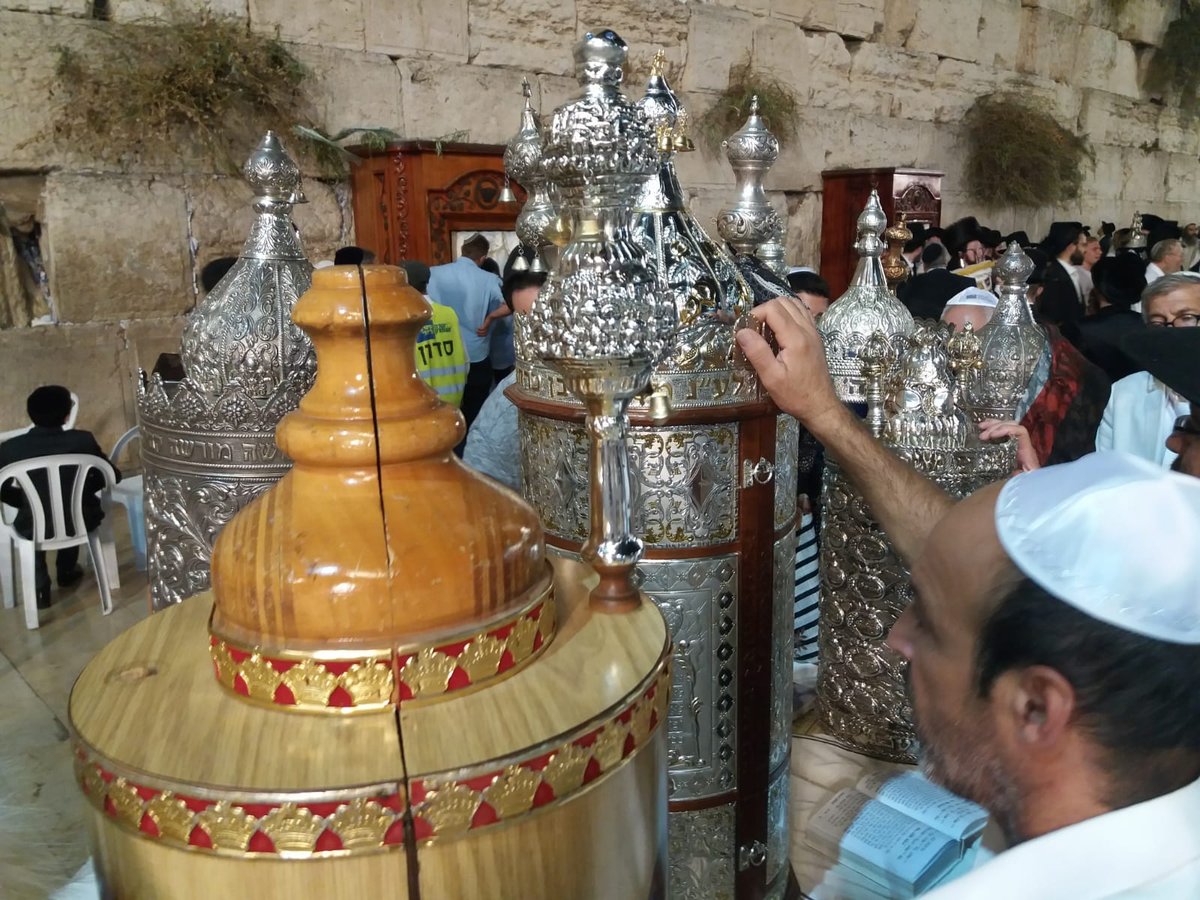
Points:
x=389 y=690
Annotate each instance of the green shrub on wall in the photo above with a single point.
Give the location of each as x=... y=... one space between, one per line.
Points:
x=1173 y=69
x=777 y=104
x=1018 y=153
x=152 y=90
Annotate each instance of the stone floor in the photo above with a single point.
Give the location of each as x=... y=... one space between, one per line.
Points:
x=38 y=797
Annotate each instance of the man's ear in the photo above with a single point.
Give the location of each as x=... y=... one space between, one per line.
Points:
x=1036 y=705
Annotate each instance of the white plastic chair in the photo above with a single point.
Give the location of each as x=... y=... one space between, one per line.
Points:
x=128 y=493
x=8 y=513
x=58 y=538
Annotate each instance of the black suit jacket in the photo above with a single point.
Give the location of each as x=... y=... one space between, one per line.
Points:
x=1100 y=339
x=926 y=294
x=40 y=441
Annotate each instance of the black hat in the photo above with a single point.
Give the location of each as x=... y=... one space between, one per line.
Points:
x=1151 y=221
x=920 y=234
x=214 y=271
x=990 y=237
x=1108 y=229
x=418 y=274
x=1163 y=231
x=49 y=406
x=1040 y=262
x=1061 y=236
x=1170 y=355
x=958 y=234
x=1017 y=237
x=1120 y=279
x=936 y=231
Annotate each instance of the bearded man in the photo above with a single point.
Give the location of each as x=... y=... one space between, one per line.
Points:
x=1054 y=659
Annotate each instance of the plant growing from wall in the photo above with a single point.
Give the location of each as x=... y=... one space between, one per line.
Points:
x=1172 y=70
x=152 y=90
x=1018 y=153
x=777 y=104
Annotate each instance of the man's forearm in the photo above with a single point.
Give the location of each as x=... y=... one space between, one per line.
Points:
x=904 y=502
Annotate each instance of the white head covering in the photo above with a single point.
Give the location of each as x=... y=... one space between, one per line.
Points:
x=1114 y=536
x=794 y=270
x=974 y=296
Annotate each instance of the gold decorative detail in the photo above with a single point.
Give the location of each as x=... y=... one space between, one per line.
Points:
x=126 y=801
x=610 y=745
x=227 y=669
x=369 y=684
x=481 y=657
x=361 y=824
x=449 y=809
x=639 y=722
x=228 y=827
x=310 y=683
x=261 y=680
x=92 y=782
x=291 y=828
x=564 y=772
x=546 y=621
x=511 y=794
x=520 y=639
x=171 y=816
x=658 y=65
x=427 y=672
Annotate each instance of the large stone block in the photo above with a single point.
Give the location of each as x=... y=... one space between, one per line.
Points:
x=539 y=39
x=351 y=89
x=1145 y=175
x=758 y=7
x=117 y=248
x=1047 y=42
x=324 y=221
x=149 y=10
x=887 y=81
x=334 y=23
x=780 y=49
x=822 y=138
x=1109 y=119
x=87 y=359
x=999 y=33
x=899 y=19
x=803 y=241
x=947 y=28
x=1183 y=179
x=829 y=82
x=440 y=99
x=1075 y=9
x=1105 y=62
x=28 y=105
x=422 y=28
x=718 y=39
x=78 y=8
x=858 y=19
x=1177 y=134
x=1146 y=21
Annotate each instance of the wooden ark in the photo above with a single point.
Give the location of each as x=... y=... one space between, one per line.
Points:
x=389 y=692
x=410 y=198
x=915 y=192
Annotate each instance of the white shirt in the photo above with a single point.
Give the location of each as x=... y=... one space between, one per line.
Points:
x=1153 y=273
x=1074 y=273
x=1150 y=851
x=494 y=441
x=1138 y=419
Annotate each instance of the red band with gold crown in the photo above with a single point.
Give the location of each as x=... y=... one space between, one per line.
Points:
x=372 y=681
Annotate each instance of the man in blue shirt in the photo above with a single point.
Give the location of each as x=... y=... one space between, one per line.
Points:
x=472 y=293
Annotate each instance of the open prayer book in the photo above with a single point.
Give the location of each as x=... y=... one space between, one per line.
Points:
x=897 y=834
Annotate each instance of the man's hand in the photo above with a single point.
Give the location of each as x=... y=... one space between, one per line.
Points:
x=998 y=430
x=482 y=330
x=796 y=377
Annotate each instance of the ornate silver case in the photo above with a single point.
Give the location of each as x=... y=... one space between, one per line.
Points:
x=208 y=442
x=712 y=476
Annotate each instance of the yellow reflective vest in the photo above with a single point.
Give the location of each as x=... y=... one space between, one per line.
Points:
x=441 y=356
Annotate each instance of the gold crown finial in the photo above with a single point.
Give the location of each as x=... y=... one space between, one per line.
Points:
x=659 y=64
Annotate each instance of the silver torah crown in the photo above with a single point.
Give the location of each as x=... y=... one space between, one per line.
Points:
x=601 y=301
x=1011 y=344
x=751 y=151
x=208 y=442
x=867 y=307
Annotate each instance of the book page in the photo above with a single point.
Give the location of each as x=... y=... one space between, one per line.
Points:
x=926 y=802
x=882 y=842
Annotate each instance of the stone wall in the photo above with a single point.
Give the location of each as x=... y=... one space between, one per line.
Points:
x=881 y=82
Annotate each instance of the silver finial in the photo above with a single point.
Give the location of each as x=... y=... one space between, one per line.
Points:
x=751 y=152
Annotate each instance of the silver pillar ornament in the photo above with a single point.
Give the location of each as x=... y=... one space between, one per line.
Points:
x=861 y=691
x=867 y=307
x=600 y=322
x=712 y=466
x=208 y=442
x=1011 y=343
x=751 y=221
x=523 y=164
x=1137 y=239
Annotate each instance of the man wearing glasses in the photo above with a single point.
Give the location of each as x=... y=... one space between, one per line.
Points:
x=1173 y=357
x=1142 y=409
